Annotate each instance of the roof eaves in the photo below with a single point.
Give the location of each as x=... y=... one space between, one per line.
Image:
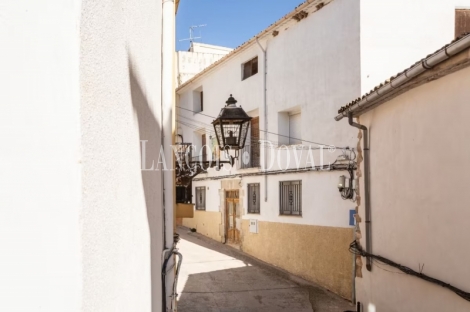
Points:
x=399 y=79
x=307 y=4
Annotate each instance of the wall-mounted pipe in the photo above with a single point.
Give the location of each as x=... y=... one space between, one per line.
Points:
x=366 y=187
x=167 y=104
x=265 y=114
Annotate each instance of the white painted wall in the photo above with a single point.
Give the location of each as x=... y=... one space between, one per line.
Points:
x=80 y=225
x=121 y=216
x=396 y=34
x=199 y=57
x=419 y=173
x=40 y=171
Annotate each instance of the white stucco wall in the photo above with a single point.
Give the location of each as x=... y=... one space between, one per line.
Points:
x=419 y=166
x=396 y=34
x=80 y=225
x=40 y=179
x=121 y=217
x=189 y=64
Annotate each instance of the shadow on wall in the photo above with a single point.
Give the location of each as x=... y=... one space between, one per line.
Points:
x=150 y=131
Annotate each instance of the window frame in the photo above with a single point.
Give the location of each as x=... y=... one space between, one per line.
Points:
x=199 y=189
x=284 y=200
x=252 y=70
x=201 y=94
x=257 y=208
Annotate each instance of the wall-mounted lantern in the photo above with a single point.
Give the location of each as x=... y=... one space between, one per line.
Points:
x=231 y=127
x=347 y=186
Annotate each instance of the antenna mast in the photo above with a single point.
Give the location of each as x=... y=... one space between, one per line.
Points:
x=191 y=31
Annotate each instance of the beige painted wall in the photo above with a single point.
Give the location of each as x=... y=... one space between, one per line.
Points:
x=419 y=182
x=316 y=253
x=207 y=223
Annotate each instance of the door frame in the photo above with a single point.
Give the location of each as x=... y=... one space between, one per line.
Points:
x=232 y=196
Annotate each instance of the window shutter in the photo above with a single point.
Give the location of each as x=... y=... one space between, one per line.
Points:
x=202 y=101
x=204 y=150
x=255 y=151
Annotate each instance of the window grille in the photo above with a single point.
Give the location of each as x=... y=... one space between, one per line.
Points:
x=254 y=198
x=290 y=198
x=201 y=198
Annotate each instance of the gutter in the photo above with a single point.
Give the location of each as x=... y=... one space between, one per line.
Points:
x=416 y=70
x=366 y=188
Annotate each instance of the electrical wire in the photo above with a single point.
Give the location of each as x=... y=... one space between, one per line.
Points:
x=356 y=249
x=285 y=136
x=249 y=142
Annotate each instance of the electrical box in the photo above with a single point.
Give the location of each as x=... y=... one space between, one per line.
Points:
x=253 y=226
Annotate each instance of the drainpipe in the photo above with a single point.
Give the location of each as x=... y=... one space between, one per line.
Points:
x=265 y=113
x=167 y=83
x=366 y=187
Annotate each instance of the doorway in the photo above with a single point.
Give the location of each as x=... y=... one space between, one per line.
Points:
x=232 y=212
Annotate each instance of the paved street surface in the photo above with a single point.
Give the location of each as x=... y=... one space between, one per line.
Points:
x=216 y=277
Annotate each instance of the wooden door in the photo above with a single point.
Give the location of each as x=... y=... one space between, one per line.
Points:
x=232 y=212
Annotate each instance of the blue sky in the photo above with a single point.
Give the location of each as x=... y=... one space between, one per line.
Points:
x=229 y=22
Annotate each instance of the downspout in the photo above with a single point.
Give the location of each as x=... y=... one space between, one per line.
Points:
x=265 y=114
x=167 y=84
x=366 y=187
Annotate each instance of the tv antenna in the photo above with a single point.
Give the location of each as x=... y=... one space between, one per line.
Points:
x=191 y=31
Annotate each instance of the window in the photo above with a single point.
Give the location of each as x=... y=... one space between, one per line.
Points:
x=253 y=198
x=201 y=198
x=204 y=148
x=295 y=129
x=251 y=152
x=290 y=198
x=250 y=68
x=290 y=127
x=183 y=194
x=201 y=94
x=198 y=100
x=462 y=22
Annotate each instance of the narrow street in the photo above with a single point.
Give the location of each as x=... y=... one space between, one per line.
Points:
x=216 y=277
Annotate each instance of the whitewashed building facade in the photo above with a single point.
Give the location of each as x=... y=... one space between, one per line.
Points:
x=291 y=78
x=417 y=210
